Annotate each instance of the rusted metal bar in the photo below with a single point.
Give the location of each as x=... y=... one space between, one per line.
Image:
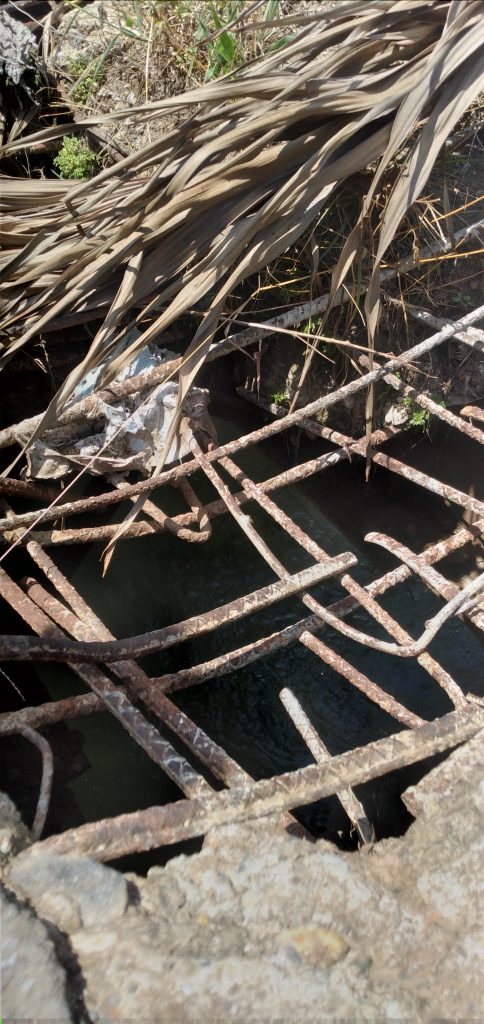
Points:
x=466 y=598
x=473 y=412
x=24 y=648
x=418 y=564
x=159 y=826
x=168 y=525
x=209 y=753
x=196 y=506
x=243 y=656
x=394 y=708
x=175 y=476
x=255 y=493
x=434 y=579
x=28 y=489
x=349 y=802
x=139 y=685
x=469 y=336
x=427 y=403
x=61 y=584
x=243 y=520
x=234 y=660
x=115 y=700
x=443 y=678
x=359 y=447
x=89 y=407
x=354 y=588
x=325 y=402
x=361 y=682
x=424 y=480
x=49 y=714
x=45 y=789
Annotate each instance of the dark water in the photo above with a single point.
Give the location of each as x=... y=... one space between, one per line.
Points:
x=158 y=580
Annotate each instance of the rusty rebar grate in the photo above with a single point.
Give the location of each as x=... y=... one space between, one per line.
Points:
x=68 y=630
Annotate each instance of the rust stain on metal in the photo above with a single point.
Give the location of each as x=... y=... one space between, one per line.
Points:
x=159 y=826
x=23 y=648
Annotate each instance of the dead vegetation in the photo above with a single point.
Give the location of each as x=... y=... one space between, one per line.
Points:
x=180 y=223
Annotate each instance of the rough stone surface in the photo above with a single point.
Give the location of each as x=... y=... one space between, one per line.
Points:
x=33 y=982
x=437 y=788
x=14 y=835
x=262 y=925
x=72 y=892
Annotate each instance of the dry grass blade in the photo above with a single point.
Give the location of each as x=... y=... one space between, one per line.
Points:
x=203 y=207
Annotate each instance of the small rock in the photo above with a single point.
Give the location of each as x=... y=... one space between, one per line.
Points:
x=70 y=891
x=318 y=946
x=33 y=982
x=396 y=415
x=439 y=785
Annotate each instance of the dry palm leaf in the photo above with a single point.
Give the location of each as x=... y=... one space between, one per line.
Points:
x=211 y=202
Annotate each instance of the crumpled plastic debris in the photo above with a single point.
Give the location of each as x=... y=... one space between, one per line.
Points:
x=16 y=47
x=129 y=434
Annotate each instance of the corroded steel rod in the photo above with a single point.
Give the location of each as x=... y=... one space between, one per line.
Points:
x=362 y=682
x=28 y=489
x=347 y=798
x=45 y=789
x=89 y=407
x=468 y=598
x=325 y=402
x=49 y=714
x=372 y=690
x=140 y=686
x=443 y=678
x=431 y=406
x=169 y=525
x=469 y=336
x=360 y=593
x=234 y=660
x=114 y=699
x=175 y=476
x=159 y=826
x=388 y=462
x=434 y=579
x=24 y=648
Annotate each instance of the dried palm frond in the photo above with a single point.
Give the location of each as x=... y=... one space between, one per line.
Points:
x=204 y=206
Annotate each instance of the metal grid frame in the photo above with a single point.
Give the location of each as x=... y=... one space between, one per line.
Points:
x=70 y=631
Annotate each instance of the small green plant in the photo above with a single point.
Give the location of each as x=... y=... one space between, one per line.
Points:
x=229 y=50
x=226 y=52
x=420 y=417
x=279 y=398
x=463 y=300
x=88 y=76
x=75 y=159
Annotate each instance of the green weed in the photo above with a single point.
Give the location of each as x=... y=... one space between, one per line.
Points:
x=88 y=76
x=419 y=417
x=75 y=159
x=462 y=300
x=230 y=50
